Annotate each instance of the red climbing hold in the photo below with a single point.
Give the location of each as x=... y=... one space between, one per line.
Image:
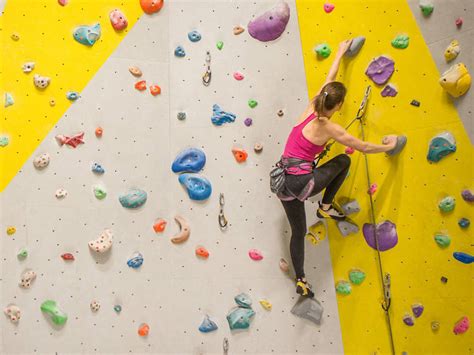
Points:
x=68 y=256
x=459 y=22
x=73 y=141
x=98 y=132
x=159 y=225
x=151 y=6
x=155 y=90
x=143 y=330
x=202 y=252
x=240 y=155
x=140 y=85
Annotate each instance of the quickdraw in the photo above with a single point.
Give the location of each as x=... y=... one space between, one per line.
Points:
x=222 y=220
x=206 y=78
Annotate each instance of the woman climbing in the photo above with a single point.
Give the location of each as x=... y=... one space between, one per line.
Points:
x=306 y=141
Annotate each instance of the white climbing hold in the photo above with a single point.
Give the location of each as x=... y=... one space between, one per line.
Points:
x=27 y=278
x=60 y=193
x=41 y=161
x=28 y=67
x=13 y=312
x=41 y=82
x=103 y=243
x=95 y=306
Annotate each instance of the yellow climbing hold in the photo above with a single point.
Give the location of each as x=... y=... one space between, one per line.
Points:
x=266 y=304
x=456 y=80
x=11 y=230
x=316 y=233
x=452 y=51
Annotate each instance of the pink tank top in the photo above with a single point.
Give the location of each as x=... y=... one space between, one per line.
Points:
x=297 y=146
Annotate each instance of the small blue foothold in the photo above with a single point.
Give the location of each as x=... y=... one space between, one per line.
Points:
x=207 y=325
x=97 y=168
x=179 y=52
x=135 y=261
x=220 y=117
x=463 y=257
x=198 y=187
x=464 y=223
x=194 y=36
x=87 y=35
x=72 y=95
x=190 y=160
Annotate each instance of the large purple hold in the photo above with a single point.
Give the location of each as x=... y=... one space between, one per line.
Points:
x=467 y=195
x=271 y=24
x=386 y=235
x=380 y=70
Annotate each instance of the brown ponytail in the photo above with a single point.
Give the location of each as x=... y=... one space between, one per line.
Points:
x=331 y=95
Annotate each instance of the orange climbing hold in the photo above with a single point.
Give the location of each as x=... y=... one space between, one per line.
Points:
x=140 y=85
x=239 y=154
x=159 y=225
x=143 y=330
x=151 y=6
x=98 y=132
x=155 y=90
x=202 y=252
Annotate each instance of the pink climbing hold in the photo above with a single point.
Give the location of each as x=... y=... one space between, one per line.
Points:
x=372 y=189
x=459 y=22
x=461 y=326
x=328 y=7
x=62 y=2
x=238 y=76
x=349 y=150
x=118 y=20
x=255 y=255
x=73 y=141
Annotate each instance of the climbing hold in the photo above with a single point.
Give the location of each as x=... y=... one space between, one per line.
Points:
x=255 y=254
x=426 y=7
x=219 y=117
x=240 y=318
x=401 y=41
x=308 y=308
x=13 y=312
x=52 y=102
x=408 y=320
x=103 y=243
x=452 y=51
x=386 y=233
x=401 y=142
x=440 y=146
x=456 y=80
x=464 y=223
x=372 y=189
x=356 y=276
x=60 y=193
x=87 y=35
x=72 y=95
x=22 y=253
x=97 y=168
x=140 y=85
x=238 y=76
x=95 y=306
x=271 y=24
x=467 y=195
x=155 y=90
x=461 y=326
x=328 y=7
x=347 y=227
x=118 y=308
x=198 y=187
x=323 y=50
x=151 y=6
x=252 y=103
x=118 y=20
x=73 y=141
x=28 y=67
x=9 y=101
x=181 y=116
x=190 y=160
x=248 y=122
x=11 y=230
x=194 y=36
x=266 y=304
x=459 y=21
x=238 y=30
x=41 y=82
x=179 y=52
x=415 y=103
x=417 y=309
x=98 y=132
x=99 y=192
x=240 y=155
x=4 y=140
x=350 y=206
x=284 y=266
x=343 y=287
x=27 y=278
x=68 y=257
x=159 y=225
x=202 y=252
x=143 y=330
x=389 y=90
x=380 y=69
x=442 y=240
x=355 y=46
x=207 y=325
x=316 y=233
x=434 y=326
x=184 y=231
x=258 y=147
x=15 y=36
x=463 y=257
x=447 y=204
x=280 y=113
x=444 y=279
x=220 y=45
x=133 y=199
x=135 y=71
x=51 y=308
x=62 y=2
x=135 y=261
x=243 y=300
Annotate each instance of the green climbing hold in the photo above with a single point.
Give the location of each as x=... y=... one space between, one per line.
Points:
x=118 y=308
x=426 y=7
x=447 y=204
x=356 y=276
x=219 y=45
x=100 y=192
x=4 y=140
x=323 y=50
x=22 y=254
x=401 y=41
x=343 y=287
x=51 y=308
x=442 y=240
x=253 y=103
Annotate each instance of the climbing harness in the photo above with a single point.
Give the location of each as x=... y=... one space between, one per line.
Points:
x=206 y=78
x=222 y=219
x=225 y=346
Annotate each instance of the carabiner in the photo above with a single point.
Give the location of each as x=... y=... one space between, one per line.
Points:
x=222 y=220
x=225 y=346
x=206 y=78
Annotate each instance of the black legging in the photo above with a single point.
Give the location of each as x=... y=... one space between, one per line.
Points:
x=330 y=175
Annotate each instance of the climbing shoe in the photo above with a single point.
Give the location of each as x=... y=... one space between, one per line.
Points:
x=303 y=288
x=331 y=212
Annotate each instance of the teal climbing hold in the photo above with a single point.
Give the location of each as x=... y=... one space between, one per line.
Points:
x=118 y=308
x=323 y=50
x=401 y=41
x=253 y=103
x=4 y=140
x=87 y=35
x=442 y=240
x=447 y=204
x=440 y=146
x=356 y=276
x=464 y=223
x=343 y=287
x=9 y=99
x=243 y=300
x=57 y=315
x=239 y=318
x=133 y=199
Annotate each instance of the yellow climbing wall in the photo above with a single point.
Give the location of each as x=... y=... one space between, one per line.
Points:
x=409 y=187
x=45 y=29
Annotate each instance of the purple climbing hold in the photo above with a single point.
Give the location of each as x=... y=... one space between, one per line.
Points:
x=270 y=25
x=248 y=122
x=467 y=195
x=408 y=320
x=386 y=233
x=380 y=69
x=417 y=309
x=389 y=90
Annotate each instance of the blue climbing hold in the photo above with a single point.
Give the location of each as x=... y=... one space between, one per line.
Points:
x=133 y=199
x=198 y=187
x=207 y=325
x=464 y=223
x=190 y=160
x=463 y=257
x=179 y=52
x=72 y=95
x=219 y=117
x=97 y=168
x=135 y=261
x=194 y=36
x=239 y=318
x=440 y=146
x=87 y=35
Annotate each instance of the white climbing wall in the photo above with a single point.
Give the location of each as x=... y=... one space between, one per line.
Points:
x=173 y=290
